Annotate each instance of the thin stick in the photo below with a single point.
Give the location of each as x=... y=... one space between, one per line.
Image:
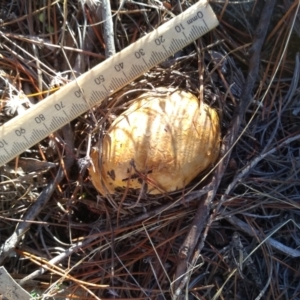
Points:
x=33 y=211
x=108 y=29
x=201 y=218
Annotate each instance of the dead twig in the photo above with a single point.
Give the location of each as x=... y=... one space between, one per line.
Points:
x=246 y=170
x=184 y=265
x=108 y=29
x=255 y=233
x=33 y=211
x=102 y=10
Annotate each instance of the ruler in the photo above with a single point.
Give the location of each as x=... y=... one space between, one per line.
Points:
x=91 y=88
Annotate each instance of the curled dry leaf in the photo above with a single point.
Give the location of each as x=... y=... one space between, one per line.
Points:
x=164 y=140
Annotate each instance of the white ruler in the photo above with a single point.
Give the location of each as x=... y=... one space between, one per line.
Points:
x=91 y=88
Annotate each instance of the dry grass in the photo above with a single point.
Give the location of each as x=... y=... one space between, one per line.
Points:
x=79 y=245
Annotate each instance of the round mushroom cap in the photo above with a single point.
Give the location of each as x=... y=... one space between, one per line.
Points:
x=161 y=143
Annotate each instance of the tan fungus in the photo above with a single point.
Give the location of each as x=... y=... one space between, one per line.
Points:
x=163 y=140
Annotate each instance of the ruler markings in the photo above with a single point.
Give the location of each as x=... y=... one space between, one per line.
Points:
x=206 y=27
x=57 y=122
x=146 y=64
x=93 y=100
x=198 y=29
x=156 y=58
x=78 y=108
x=66 y=114
x=104 y=79
x=136 y=70
x=14 y=151
x=117 y=83
x=125 y=76
x=19 y=146
x=169 y=53
x=46 y=127
x=176 y=43
x=113 y=85
x=107 y=91
x=36 y=134
x=96 y=95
